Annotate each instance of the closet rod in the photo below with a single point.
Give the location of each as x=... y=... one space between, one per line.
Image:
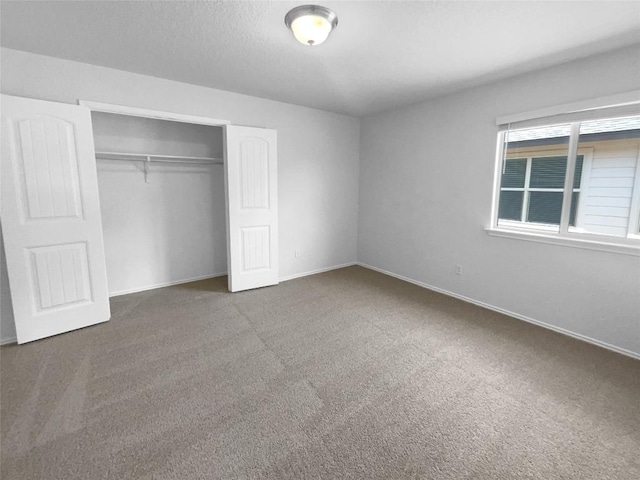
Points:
x=213 y=161
x=140 y=157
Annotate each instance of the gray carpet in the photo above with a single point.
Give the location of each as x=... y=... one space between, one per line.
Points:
x=347 y=374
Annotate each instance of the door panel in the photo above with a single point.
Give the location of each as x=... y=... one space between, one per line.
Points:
x=61 y=275
x=251 y=176
x=48 y=168
x=51 y=218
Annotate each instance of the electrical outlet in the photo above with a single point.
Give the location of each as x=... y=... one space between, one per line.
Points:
x=298 y=253
x=458 y=269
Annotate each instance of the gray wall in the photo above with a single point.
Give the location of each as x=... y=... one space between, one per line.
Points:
x=318 y=160
x=425 y=199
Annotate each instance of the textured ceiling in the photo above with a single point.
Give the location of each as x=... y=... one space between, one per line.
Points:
x=383 y=53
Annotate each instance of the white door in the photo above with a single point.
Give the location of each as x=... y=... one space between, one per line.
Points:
x=51 y=218
x=251 y=180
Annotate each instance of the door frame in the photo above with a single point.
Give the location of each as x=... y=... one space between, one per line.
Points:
x=156 y=114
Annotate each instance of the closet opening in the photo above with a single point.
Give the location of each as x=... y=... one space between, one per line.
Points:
x=162 y=199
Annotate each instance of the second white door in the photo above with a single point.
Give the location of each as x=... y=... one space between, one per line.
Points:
x=251 y=181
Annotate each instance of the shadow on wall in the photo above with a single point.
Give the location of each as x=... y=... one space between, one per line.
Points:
x=7 y=325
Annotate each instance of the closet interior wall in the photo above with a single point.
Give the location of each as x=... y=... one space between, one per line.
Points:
x=171 y=229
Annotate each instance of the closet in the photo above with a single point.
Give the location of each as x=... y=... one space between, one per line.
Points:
x=162 y=201
x=102 y=199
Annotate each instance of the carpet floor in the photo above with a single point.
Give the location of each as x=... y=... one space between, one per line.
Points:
x=346 y=374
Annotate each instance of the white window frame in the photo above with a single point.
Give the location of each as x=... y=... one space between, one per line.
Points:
x=565 y=235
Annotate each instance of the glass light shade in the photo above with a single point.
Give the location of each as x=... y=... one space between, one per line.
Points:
x=311 y=29
x=311 y=24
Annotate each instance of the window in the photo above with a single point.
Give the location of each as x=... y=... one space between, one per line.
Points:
x=578 y=179
x=531 y=190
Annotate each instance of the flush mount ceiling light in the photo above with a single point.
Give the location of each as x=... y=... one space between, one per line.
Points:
x=311 y=24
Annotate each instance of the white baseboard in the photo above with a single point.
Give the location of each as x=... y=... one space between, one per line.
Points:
x=204 y=277
x=548 y=326
x=8 y=340
x=623 y=351
x=165 y=284
x=314 y=272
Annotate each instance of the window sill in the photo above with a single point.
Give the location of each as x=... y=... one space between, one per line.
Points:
x=541 y=237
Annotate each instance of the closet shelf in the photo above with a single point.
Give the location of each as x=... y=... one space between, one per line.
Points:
x=141 y=157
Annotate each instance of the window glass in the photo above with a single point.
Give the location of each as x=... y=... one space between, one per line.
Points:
x=574 y=208
x=545 y=207
x=548 y=172
x=514 y=172
x=510 y=205
x=533 y=172
x=605 y=203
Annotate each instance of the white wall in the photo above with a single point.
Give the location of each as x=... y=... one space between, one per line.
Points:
x=173 y=228
x=425 y=198
x=318 y=160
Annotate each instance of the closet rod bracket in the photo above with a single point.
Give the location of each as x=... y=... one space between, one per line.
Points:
x=146 y=168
